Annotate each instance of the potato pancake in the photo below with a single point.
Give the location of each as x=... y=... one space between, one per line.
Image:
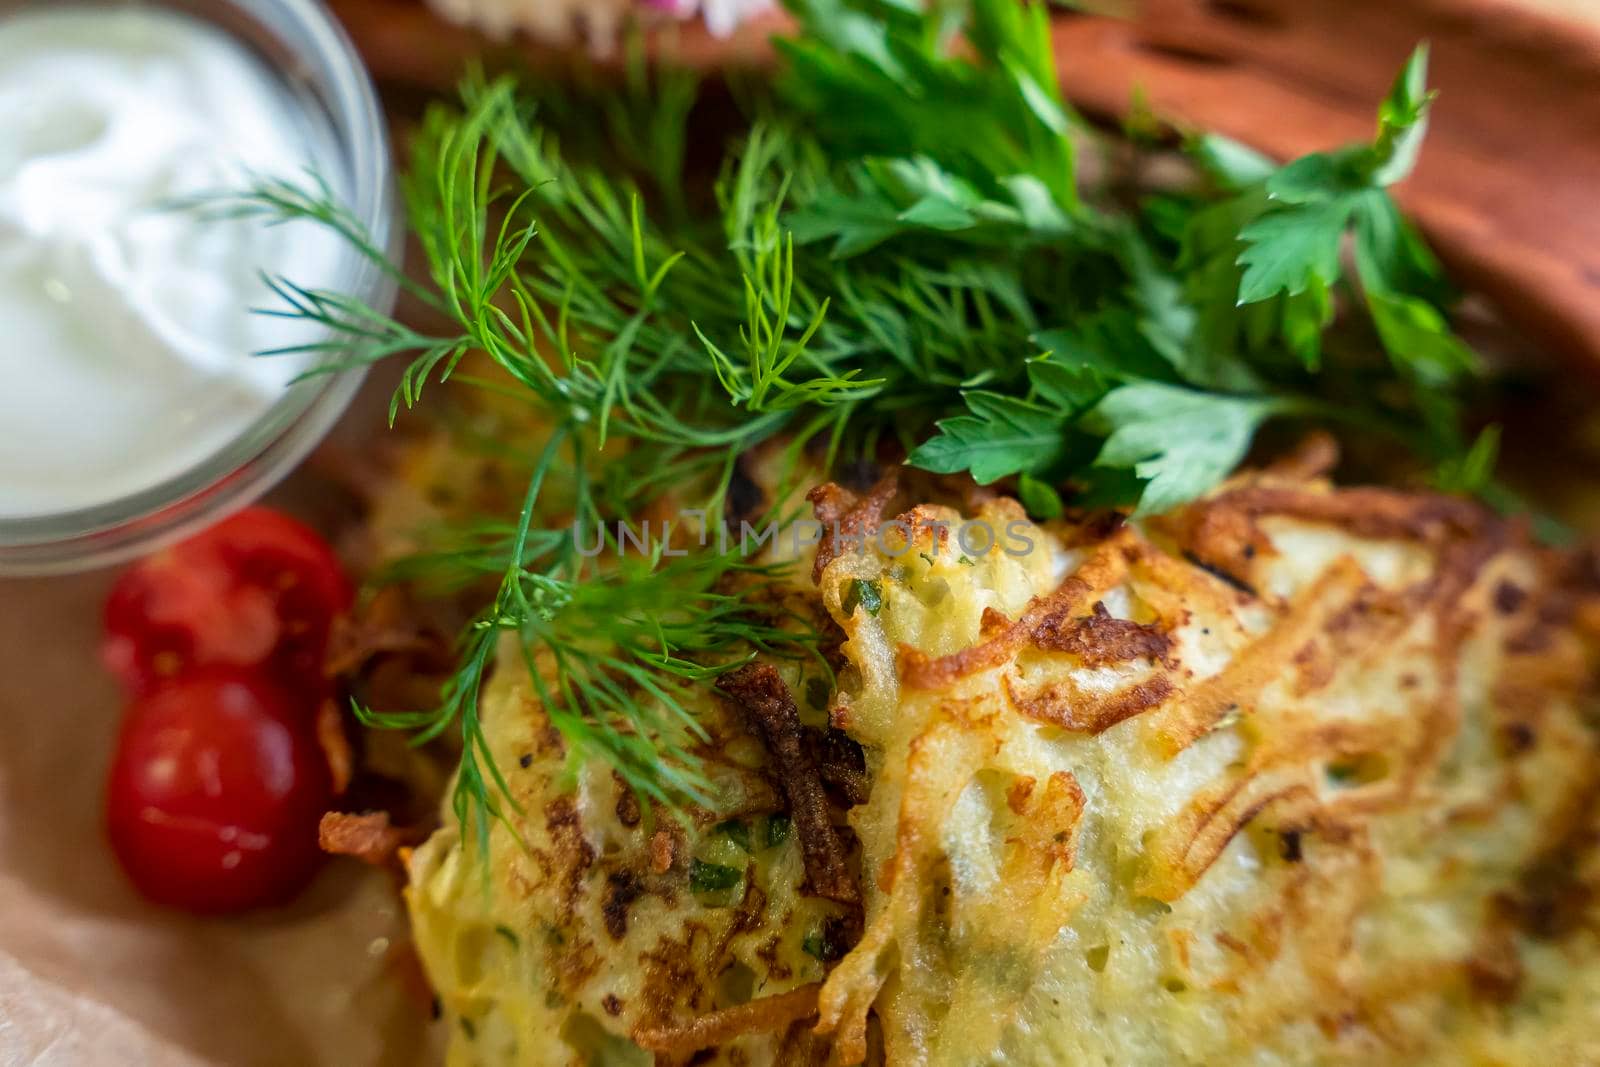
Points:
x=1294 y=774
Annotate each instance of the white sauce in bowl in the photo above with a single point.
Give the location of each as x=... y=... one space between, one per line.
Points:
x=126 y=329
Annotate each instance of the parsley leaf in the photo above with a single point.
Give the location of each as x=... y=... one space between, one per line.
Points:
x=1289 y=250
x=1419 y=339
x=1232 y=165
x=1180 y=441
x=1002 y=435
x=879 y=78
x=1113 y=343
x=1313 y=198
x=1064 y=387
x=1403 y=121
x=1040 y=500
x=885 y=199
x=1391 y=255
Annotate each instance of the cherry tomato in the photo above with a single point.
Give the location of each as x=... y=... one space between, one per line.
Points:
x=257 y=589
x=215 y=793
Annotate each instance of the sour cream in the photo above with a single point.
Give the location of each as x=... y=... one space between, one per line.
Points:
x=126 y=331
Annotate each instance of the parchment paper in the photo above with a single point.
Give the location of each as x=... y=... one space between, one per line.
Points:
x=90 y=975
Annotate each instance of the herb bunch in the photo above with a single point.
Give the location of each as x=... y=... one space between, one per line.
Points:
x=898 y=247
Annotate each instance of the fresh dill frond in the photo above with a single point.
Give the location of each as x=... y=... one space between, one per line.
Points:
x=897 y=247
x=275 y=200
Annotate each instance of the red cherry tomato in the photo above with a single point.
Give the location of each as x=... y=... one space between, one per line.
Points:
x=215 y=793
x=257 y=589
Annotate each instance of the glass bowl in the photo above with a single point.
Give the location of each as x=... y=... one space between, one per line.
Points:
x=300 y=41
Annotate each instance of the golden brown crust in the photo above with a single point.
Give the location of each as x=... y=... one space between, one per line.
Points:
x=758 y=691
x=335 y=745
x=719 y=1027
x=1099 y=639
x=846 y=517
x=1065 y=705
x=369 y=837
x=1104 y=568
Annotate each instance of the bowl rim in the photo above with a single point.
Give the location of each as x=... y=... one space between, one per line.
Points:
x=286 y=432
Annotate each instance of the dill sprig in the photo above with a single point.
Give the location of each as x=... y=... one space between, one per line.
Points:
x=897 y=246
